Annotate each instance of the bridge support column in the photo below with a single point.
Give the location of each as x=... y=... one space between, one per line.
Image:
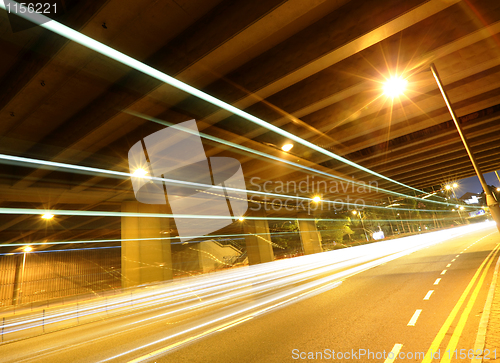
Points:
x=145 y=258
x=309 y=235
x=258 y=238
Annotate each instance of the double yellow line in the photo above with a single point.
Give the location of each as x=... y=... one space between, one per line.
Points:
x=452 y=344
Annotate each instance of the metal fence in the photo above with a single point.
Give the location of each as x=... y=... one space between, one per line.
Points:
x=38 y=276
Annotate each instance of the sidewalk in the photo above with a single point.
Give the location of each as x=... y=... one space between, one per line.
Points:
x=488 y=338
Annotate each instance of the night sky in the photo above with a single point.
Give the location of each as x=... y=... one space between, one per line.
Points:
x=472 y=184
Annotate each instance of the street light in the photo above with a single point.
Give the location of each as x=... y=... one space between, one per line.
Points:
x=316 y=199
x=452 y=187
x=395 y=86
x=139 y=173
x=490 y=199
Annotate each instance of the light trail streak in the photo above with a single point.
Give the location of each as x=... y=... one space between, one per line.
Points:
x=98 y=171
x=93 y=44
x=275 y=158
x=87 y=213
x=219 y=237
x=46 y=251
x=301 y=289
x=279 y=277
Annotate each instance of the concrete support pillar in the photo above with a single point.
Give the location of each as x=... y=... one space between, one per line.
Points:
x=144 y=260
x=309 y=235
x=258 y=239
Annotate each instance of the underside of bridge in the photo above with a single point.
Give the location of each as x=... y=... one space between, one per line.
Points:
x=310 y=68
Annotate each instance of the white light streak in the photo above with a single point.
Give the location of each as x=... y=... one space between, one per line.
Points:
x=93 y=44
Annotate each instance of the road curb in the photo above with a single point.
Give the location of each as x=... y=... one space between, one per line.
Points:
x=485 y=318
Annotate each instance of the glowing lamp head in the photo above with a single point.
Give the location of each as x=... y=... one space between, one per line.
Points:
x=47 y=216
x=287 y=147
x=241 y=219
x=461 y=207
x=455 y=185
x=28 y=249
x=316 y=199
x=498 y=189
x=394 y=86
x=354 y=212
x=447 y=187
x=139 y=173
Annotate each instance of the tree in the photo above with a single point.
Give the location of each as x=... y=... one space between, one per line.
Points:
x=334 y=229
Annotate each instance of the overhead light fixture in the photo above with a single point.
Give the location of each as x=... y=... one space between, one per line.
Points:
x=394 y=86
x=47 y=216
x=28 y=249
x=287 y=147
x=316 y=199
x=455 y=185
x=447 y=187
x=356 y=212
x=241 y=219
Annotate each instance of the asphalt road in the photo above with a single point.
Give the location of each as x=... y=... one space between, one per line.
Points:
x=368 y=312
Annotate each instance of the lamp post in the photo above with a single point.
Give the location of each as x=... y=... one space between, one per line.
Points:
x=490 y=199
x=452 y=187
x=25 y=251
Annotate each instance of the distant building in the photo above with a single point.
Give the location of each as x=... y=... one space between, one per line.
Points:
x=471 y=198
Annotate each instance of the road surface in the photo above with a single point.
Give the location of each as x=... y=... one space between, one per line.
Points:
x=427 y=298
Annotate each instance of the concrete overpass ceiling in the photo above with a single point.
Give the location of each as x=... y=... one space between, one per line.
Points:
x=312 y=68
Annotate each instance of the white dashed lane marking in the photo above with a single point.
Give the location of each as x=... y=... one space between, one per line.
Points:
x=414 y=318
x=395 y=351
x=428 y=295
